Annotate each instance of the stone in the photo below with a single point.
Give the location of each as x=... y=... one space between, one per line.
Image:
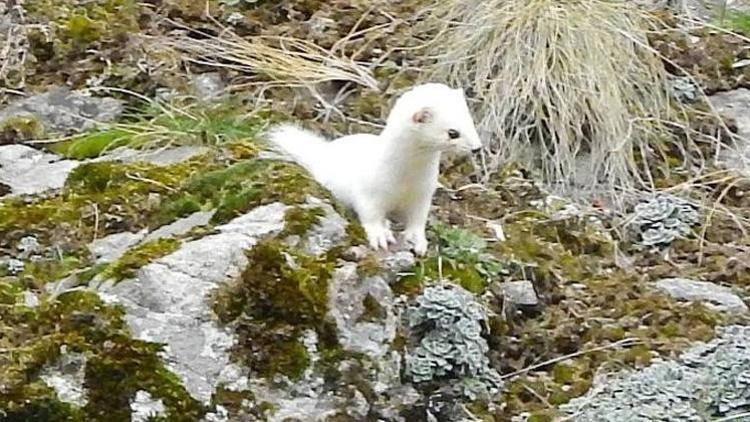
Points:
x=144 y=407
x=28 y=171
x=208 y=86
x=736 y=105
x=66 y=377
x=111 y=248
x=30 y=299
x=181 y=226
x=63 y=111
x=362 y=330
x=517 y=293
x=718 y=297
x=159 y=157
x=167 y=300
x=329 y=230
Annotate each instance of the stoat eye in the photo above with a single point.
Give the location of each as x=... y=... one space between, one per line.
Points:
x=453 y=134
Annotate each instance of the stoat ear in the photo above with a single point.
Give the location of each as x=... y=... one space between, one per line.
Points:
x=422 y=116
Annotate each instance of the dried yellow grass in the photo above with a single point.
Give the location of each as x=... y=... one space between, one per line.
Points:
x=274 y=60
x=569 y=85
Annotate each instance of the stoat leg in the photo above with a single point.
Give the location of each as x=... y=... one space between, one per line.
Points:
x=373 y=220
x=415 y=218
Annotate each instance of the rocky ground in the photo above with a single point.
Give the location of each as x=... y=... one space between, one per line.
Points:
x=158 y=263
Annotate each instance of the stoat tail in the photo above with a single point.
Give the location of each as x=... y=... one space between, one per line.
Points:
x=304 y=147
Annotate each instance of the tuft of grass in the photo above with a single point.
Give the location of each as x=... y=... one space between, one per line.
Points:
x=737 y=22
x=572 y=86
x=162 y=124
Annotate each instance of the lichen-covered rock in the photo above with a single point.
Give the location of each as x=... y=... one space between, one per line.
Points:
x=181 y=226
x=66 y=377
x=663 y=219
x=516 y=293
x=446 y=322
x=715 y=296
x=683 y=89
x=64 y=111
x=30 y=171
x=363 y=310
x=111 y=248
x=145 y=407
x=166 y=302
x=708 y=381
x=159 y=157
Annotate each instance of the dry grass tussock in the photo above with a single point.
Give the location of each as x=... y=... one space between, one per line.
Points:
x=268 y=60
x=570 y=85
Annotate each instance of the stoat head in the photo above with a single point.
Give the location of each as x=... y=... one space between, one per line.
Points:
x=436 y=117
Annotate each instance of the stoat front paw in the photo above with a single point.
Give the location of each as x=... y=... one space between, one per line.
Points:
x=418 y=242
x=379 y=236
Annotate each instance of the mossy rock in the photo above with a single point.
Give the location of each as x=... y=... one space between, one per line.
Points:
x=117 y=366
x=281 y=294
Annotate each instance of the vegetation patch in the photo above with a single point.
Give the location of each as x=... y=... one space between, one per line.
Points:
x=135 y=258
x=117 y=366
x=179 y=122
x=241 y=187
x=281 y=293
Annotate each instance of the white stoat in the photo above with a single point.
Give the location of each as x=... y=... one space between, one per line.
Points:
x=393 y=174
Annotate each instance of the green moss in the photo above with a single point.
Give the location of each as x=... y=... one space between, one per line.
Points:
x=80 y=26
x=117 y=365
x=369 y=266
x=20 y=128
x=299 y=220
x=135 y=258
x=373 y=310
x=245 y=185
x=42 y=271
x=82 y=30
x=281 y=294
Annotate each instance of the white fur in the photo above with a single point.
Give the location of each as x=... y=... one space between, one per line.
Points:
x=393 y=174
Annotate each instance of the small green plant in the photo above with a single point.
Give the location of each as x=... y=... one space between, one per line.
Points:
x=463 y=258
x=737 y=22
x=161 y=124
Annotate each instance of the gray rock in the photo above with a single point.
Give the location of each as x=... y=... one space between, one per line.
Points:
x=66 y=377
x=348 y=299
x=710 y=381
x=181 y=226
x=736 y=105
x=159 y=157
x=28 y=246
x=15 y=266
x=144 y=407
x=29 y=171
x=111 y=248
x=64 y=111
x=683 y=89
x=330 y=229
x=518 y=293
x=208 y=86
x=166 y=302
x=30 y=299
x=715 y=296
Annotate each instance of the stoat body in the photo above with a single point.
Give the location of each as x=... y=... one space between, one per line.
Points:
x=393 y=174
